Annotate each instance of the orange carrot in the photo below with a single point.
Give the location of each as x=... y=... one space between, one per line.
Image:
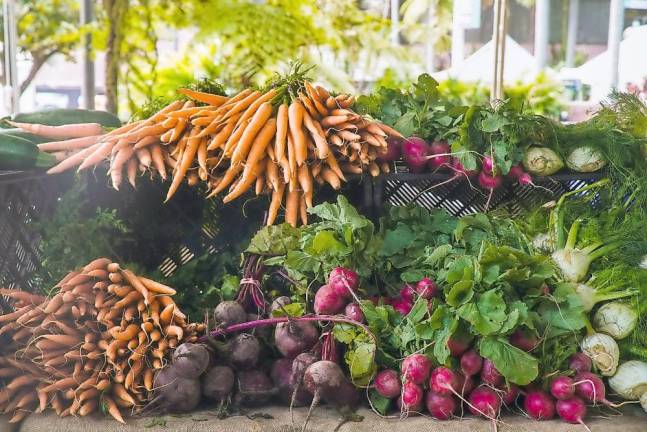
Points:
x=144 y=157
x=74 y=160
x=157 y=287
x=207 y=98
x=221 y=137
x=112 y=409
x=272 y=173
x=254 y=127
x=71 y=144
x=254 y=106
x=187 y=158
x=292 y=207
x=131 y=172
x=318 y=136
x=247 y=178
x=275 y=204
x=281 y=132
x=77 y=130
x=158 y=160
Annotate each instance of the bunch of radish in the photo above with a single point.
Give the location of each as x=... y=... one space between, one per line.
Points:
x=339 y=295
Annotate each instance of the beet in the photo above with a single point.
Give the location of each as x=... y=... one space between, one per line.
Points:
x=281 y=375
x=218 y=383
x=325 y=379
x=244 y=351
x=294 y=337
x=191 y=360
x=179 y=395
x=328 y=301
x=228 y=313
x=254 y=388
x=279 y=303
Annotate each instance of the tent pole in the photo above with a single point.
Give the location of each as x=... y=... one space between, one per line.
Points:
x=542 y=28
x=498 y=41
x=395 y=22
x=88 y=86
x=616 y=22
x=430 y=54
x=458 y=36
x=571 y=39
x=12 y=88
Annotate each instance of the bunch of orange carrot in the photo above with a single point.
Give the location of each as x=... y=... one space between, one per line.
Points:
x=95 y=344
x=282 y=142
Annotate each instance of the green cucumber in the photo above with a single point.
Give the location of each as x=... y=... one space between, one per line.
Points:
x=34 y=139
x=19 y=154
x=63 y=116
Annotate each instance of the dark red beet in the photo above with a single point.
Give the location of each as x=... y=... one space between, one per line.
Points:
x=293 y=338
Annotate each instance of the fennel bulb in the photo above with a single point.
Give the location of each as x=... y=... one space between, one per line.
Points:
x=616 y=319
x=585 y=159
x=603 y=351
x=542 y=161
x=630 y=381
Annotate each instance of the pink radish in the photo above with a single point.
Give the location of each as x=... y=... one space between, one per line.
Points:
x=414 y=152
x=465 y=384
x=392 y=152
x=441 y=407
x=426 y=288
x=439 y=154
x=524 y=340
x=443 y=381
x=354 y=312
x=539 y=405
x=522 y=177
x=487 y=166
x=490 y=375
x=328 y=301
x=485 y=402
x=572 y=410
x=343 y=282
x=510 y=395
x=415 y=368
x=489 y=182
x=407 y=293
x=460 y=169
x=471 y=363
x=590 y=387
x=580 y=362
x=401 y=305
x=562 y=388
x=387 y=383
x=411 y=396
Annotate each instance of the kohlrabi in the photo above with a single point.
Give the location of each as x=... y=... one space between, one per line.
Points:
x=616 y=319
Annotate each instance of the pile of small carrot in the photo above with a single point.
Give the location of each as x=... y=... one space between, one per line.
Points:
x=95 y=344
x=283 y=142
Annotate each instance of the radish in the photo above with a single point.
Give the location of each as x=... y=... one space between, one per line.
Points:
x=465 y=383
x=411 y=396
x=460 y=169
x=510 y=394
x=562 y=388
x=441 y=407
x=489 y=183
x=415 y=368
x=443 y=381
x=457 y=346
x=387 y=383
x=426 y=288
x=572 y=410
x=412 y=409
x=401 y=305
x=392 y=151
x=439 y=154
x=524 y=340
x=471 y=363
x=354 y=312
x=539 y=405
x=590 y=387
x=488 y=166
x=414 y=152
x=485 y=402
x=522 y=177
x=580 y=362
x=407 y=293
x=490 y=375
x=328 y=301
x=343 y=282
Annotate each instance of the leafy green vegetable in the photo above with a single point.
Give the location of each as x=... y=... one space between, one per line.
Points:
x=516 y=365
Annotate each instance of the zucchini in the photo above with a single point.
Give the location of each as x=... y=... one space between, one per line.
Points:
x=19 y=154
x=63 y=116
x=34 y=139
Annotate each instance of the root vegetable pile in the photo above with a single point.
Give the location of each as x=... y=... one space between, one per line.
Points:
x=95 y=344
x=282 y=142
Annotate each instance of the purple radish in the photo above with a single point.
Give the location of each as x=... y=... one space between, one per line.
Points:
x=572 y=410
x=354 y=312
x=426 y=288
x=580 y=362
x=487 y=166
x=439 y=154
x=590 y=387
x=490 y=375
x=457 y=346
x=484 y=401
x=387 y=383
x=444 y=381
x=465 y=384
x=328 y=301
x=414 y=152
x=562 y=388
x=489 y=182
x=471 y=363
x=441 y=407
x=415 y=368
x=392 y=151
x=460 y=169
x=539 y=405
x=524 y=340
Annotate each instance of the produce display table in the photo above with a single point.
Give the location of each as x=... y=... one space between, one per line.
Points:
x=324 y=419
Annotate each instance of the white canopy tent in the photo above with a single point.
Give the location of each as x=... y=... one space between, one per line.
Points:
x=632 y=66
x=519 y=65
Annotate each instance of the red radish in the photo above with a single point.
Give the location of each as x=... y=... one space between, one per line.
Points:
x=580 y=362
x=343 y=281
x=510 y=394
x=414 y=153
x=571 y=410
x=354 y=312
x=515 y=172
x=439 y=154
x=387 y=383
x=465 y=384
x=488 y=166
x=407 y=293
x=562 y=388
x=490 y=375
x=441 y=407
x=485 y=402
x=460 y=170
x=471 y=363
x=416 y=368
x=392 y=152
x=411 y=409
x=524 y=340
x=539 y=405
x=328 y=301
x=426 y=288
x=401 y=305
x=489 y=182
x=590 y=387
x=443 y=381
x=457 y=346
x=411 y=396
